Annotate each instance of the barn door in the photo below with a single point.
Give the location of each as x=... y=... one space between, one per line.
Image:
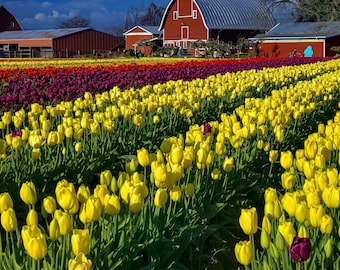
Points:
x=185 y=32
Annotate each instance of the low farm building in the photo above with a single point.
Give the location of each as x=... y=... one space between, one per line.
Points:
x=301 y=39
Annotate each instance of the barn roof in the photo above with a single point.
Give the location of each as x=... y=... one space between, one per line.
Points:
x=39 y=34
x=304 y=29
x=232 y=14
x=151 y=29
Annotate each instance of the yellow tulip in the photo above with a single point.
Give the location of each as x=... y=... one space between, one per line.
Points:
x=288 y=232
x=143 y=157
x=316 y=212
x=66 y=195
x=94 y=208
x=311 y=148
x=286 y=159
x=54 y=230
x=264 y=239
x=28 y=193
x=52 y=138
x=5 y=202
x=112 y=205
x=9 y=220
x=156 y=119
x=3 y=146
x=302 y=233
x=100 y=191
x=32 y=218
x=270 y=194
x=326 y=225
x=249 y=220
x=83 y=193
x=16 y=142
x=161 y=197
x=34 y=242
x=135 y=203
x=331 y=197
x=244 y=252
x=228 y=164
x=80 y=262
x=273 y=156
x=176 y=154
x=289 y=203
x=288 y=180
x=64 y=221
x=301 y=212
x=333 y=176
x=80 y=241
x=176 y=194
x=215 y=174
x=49 y=204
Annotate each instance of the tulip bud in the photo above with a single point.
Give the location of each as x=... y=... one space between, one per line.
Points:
x=301 y=211
x=161 y=197
x=302 y=232
x=78 y=146
x=94 y=208
x=28 y=193
x=249 y=220
x=54 y=230
x=136 y=203
x=64 y=221
x=176 y=194
x=264 y=239
x=32 y=218
x=83 y=193
x=143 y=157
x=286 y=160
x=279 y=241
x=273 y=250
x=5 y=202
x=9 y=220
x=49 y=205
x=80 y=262
x=328 y=248
x=80 y=241
x=244 y=252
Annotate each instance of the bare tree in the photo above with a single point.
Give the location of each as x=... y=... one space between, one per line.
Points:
x=153 y=16
x=309 y=10
x=74 y=22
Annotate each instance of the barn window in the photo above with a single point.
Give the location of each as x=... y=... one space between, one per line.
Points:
x=12 y=24
x=175 y=15
x=194 y=14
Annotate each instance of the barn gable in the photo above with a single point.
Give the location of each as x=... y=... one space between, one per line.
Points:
x=7 y=21
x=185 y=21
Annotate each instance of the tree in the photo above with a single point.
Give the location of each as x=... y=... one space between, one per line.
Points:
x=309 y=10
x=74 y=22
x=153 y=16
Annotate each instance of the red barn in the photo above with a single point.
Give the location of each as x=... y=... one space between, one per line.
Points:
x=7 y=21
x=185 y=21
x=142 y=35
x=306 y=38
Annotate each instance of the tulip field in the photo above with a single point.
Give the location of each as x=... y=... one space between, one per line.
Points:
x=170 y=164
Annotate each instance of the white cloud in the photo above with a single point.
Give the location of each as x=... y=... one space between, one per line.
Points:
x=40 y=16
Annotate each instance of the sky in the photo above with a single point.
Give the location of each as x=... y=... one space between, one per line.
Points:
x=34 y=14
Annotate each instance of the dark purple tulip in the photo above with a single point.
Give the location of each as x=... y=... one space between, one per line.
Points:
x=207 y=128
x=16 y=133
x=300 y=249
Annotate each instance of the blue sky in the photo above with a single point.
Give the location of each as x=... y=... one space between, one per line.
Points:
x=34 y=14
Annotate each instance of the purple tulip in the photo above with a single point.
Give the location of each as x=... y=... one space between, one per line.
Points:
x=300 y=249
x=207 y=128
